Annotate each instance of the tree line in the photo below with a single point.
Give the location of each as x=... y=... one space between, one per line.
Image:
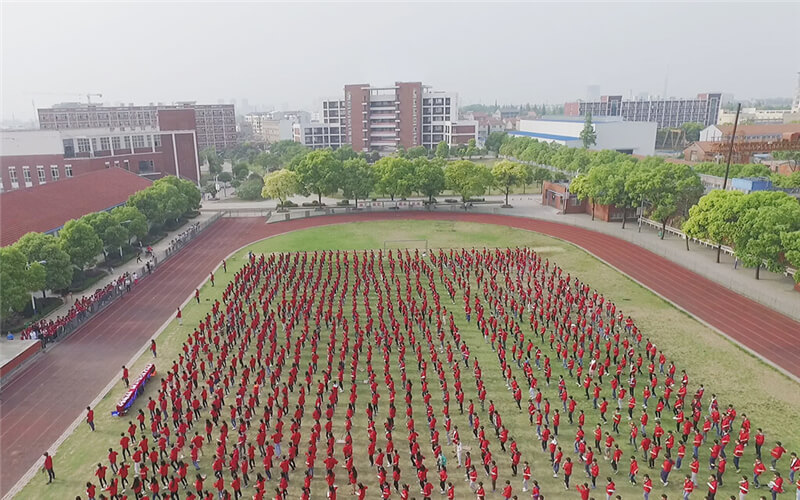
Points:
x=762 y=227
x=40 y=262
x=325 y=173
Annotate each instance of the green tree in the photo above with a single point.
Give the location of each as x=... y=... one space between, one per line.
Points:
x=508 y=174
x=186 y=188
x=471 y=148
x=540 y=174
x=429 y=176
x=319 y=173
x=589 y=186
x=209 y=155
x=80 y=241
x=250 y=189
x=241 y=171
x=416 y=152
x=495 y=141
x=280 y=185
x=395 y=176
x=358 y=179
x=442 y=150
x=345 y=153
x=669 y=189
x=786 y=181
x=36 y=277
x=467 y=178
x=39 y=247
x=288 y=151
x=15 y=291
x=149 y=203
x=588 y=135
x=714 y=217
x=111 y=232
x=269 y=162
x=758 y=234
x=692 y=130
x=791 y=250
x=174 y=202
x=131 y=219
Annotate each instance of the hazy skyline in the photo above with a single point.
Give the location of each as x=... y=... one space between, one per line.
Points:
x=295 y=54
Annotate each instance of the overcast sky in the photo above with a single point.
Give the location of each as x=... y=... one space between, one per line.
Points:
x=294 y=54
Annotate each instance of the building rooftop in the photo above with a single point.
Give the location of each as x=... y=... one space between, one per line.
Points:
x=763 y=129
x=47 y=207
x=538 y=135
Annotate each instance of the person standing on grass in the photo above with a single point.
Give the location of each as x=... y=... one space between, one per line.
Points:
x=567 y=468
x=125 y=376
x=211 y=278
x=583 y=490
x=610 y=488
x=224 y=266
x=153 y=347
x=647 y=486
x=179 y=317
x=48 y=466
x=777 y=452
x=688 y=487
x=776 y=485
x=712 y=487
x=90 y=417
x=744 y=488
x=197 y=295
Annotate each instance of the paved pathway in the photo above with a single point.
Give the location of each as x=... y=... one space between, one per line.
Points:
x=77 y=369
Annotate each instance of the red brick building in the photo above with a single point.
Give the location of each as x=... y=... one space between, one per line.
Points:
x=214 y=124
x=557 y=195
x=384 y=119
x=32 y=158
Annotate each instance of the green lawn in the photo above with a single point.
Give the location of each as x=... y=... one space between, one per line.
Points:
x=770 y=399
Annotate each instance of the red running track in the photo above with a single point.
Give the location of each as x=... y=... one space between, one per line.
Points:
x=44 y=399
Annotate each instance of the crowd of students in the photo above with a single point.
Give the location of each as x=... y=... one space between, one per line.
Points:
x=47 y=330
x=183 y=237
x=304 y=346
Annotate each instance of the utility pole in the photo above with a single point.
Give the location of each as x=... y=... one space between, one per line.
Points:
x=728 y=164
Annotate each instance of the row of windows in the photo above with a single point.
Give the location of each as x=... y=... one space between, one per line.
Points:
x=55 y=173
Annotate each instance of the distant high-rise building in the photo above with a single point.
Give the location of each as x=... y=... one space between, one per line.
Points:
x=666 y=112
x=796 y=103
x=383 y=119
x=215 y=124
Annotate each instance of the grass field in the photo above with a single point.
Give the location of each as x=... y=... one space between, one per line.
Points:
x=770 y=399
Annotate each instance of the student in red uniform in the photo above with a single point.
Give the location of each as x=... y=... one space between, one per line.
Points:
x=776 y=485
x=48 y=466
x=647 y=486
x=567 y=468
x=712 y=487
x=583 y=490
x=688 y=487
x=125 y=376
x=90 y=417
x=507 y=491
x=744 y=488
x=777 y=452
x=610 y=488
